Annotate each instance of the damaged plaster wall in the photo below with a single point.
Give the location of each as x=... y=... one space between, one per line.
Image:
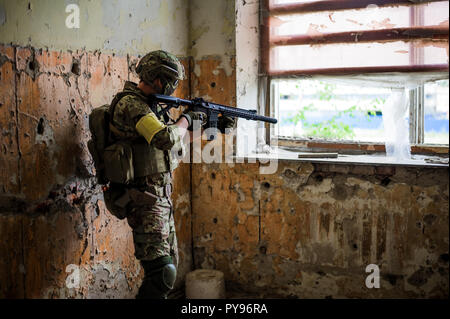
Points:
x=213 y=49
x=305 y=231
x=308 y=230
x=52 y=213
x=120 y=27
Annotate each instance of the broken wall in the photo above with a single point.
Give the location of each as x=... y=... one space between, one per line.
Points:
x=308 y=230
x=52 y=214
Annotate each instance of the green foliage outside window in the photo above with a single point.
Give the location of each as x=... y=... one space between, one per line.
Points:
x=333 y=128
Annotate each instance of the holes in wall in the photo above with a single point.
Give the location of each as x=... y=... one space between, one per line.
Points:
x=40 y=127
x=76 y=69
x=263 y=250
x=213 y=84
x=385 y=181
x=32 y=65
x=32 y=68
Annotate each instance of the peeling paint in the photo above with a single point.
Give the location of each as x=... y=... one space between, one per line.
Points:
x=309 y=231
x=48 y=192
x=113 y=27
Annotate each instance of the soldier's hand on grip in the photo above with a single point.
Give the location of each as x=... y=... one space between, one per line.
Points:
x=193 y=117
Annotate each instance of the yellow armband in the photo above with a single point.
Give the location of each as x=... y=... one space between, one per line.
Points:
x=148 y=126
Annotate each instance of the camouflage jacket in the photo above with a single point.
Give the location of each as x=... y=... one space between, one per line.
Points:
x=129 y=110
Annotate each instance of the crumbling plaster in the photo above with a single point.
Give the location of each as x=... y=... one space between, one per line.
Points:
x=310 y=230
x=111 y=26
x=48 y=192
x=51 y=210
x=305 y=231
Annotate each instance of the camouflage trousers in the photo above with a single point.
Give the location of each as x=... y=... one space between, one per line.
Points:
x=149 y=211
x=150 y=216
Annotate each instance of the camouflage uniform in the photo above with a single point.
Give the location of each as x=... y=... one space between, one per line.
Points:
x=145 y=198
x=152 y=223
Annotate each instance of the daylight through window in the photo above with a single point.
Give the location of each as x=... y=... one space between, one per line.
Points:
x=332 y=66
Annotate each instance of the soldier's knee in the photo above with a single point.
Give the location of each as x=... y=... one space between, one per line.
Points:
x=159 y=278
x=169 y=275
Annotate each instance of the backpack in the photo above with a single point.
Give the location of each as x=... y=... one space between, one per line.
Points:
x=99 y=120
x=115 y=198
x=113 y=160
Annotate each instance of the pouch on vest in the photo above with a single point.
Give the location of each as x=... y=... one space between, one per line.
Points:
x=118 y=159
x=116 y=201
x=142 y=198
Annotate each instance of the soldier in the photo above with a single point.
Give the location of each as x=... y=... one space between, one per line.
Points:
x=145 y=199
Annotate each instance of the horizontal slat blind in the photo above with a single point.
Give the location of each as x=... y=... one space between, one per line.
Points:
x=353 y=37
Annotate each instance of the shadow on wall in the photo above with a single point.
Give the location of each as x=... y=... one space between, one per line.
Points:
x=52 y=214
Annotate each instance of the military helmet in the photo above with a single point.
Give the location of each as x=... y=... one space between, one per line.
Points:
x=163 y=65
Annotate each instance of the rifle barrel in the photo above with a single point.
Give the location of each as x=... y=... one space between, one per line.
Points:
x=246 y=114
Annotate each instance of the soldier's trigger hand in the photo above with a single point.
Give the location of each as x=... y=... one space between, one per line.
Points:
x=195 y=116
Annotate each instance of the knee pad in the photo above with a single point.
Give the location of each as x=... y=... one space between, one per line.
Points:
x=159 y=278
x=168 y=275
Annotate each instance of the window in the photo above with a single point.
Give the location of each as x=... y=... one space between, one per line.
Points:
x=436 y=109
x=335 y=67
x=329 y=110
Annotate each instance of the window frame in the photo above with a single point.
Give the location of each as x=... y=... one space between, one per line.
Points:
x=416 y=112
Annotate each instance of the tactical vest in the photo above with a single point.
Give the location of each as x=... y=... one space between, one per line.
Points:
x=146 y=158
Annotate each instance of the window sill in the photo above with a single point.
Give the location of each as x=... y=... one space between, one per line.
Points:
x=374 y=159
x=357 y=148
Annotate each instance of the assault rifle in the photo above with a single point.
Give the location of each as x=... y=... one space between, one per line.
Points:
x=212 y=110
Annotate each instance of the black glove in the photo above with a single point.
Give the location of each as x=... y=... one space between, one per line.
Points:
x=226 y=122
x=192 y=116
